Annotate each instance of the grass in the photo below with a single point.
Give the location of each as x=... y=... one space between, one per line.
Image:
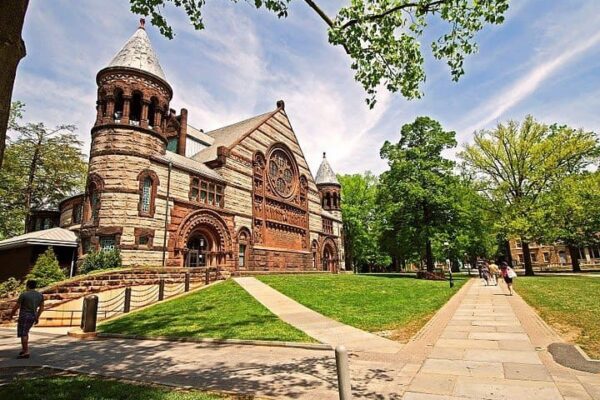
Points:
x=571 y=305
x=87 y=388
x=393 y=303
x=222 y=311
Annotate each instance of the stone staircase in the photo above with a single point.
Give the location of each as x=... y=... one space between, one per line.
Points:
x=73 y=289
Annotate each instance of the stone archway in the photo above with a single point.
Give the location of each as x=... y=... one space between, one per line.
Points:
x=203 y=240
x=329 y=256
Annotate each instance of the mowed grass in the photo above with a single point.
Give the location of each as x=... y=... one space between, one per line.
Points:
x=222 y=311
x=87 y=388
x=571 y=305
x=393 y=303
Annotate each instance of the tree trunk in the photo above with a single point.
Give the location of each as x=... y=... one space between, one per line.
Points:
x=429 y=256
x=527 y=258
x=12 y=50
x=509 y=259
x=574 y=252
x=455 y=265
x=31 y=178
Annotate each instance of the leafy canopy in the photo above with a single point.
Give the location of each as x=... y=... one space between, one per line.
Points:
x=382 y=37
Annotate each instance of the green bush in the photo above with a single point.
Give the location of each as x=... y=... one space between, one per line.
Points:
x=46 y=270
x=10 y=287
x=103 y=259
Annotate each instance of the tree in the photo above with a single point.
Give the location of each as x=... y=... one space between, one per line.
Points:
x=43 y=166
x=382 y=37
x=416 y=185
x=572 y=210
x=46 y=270
x=517 y=164
x=361 y=223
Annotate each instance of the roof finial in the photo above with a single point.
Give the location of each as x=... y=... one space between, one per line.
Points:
x=142 y=23
x=323 y=154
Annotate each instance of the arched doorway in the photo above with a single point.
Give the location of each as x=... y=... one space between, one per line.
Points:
x=197 y=251
x=327 y=258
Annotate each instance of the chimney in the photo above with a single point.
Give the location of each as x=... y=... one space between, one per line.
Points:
x=182 y=132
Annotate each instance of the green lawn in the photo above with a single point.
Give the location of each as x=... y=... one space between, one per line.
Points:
x=570 y=304
x=373 y=303
x=86 y=388
x=223 y=311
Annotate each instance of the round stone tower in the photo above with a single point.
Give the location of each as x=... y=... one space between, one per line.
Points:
x=329 y=188
x=128 y=134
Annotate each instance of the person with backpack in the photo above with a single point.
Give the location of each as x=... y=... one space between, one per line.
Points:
x=508 y=274
x=30 y=305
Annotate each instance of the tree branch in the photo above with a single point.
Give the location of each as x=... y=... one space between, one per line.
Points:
x=425 y=9
x=320 y=12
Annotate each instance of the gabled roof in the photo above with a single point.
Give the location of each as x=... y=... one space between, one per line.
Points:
x=325 y=174
x=138 y=53
x=47 y=237
x=230 y=134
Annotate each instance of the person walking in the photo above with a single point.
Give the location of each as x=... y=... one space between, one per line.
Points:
x=30 y=305
x=485 y=273
x=494 y=273
x=508 y=274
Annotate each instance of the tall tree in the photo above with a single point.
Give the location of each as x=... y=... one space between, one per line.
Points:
x=572 y=212
x=382 y=37
x=362 y=227
x=518 y=163
x=417 y=183
x=42 y=167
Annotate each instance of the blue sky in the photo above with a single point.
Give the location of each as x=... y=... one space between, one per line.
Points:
x=544 y=60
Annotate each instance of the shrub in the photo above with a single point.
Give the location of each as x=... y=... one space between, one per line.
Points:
x=46 y=270
x=97 y=260
x=10 y=287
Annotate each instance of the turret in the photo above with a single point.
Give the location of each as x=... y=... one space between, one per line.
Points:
x=329 y=187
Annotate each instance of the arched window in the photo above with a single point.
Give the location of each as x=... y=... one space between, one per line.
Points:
x=152 y=112
x=243 y=241
x=118 y=105
x=148 y=186
x=94 y=194
x=146 y=194
x=135 y=109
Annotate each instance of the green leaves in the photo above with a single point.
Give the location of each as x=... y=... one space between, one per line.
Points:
x=382 y=37
x=46 y=270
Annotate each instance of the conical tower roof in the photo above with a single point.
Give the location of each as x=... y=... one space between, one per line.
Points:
x=325 y=175
x=138 y=53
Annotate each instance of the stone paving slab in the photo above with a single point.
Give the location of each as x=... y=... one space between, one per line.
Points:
x=314 y=324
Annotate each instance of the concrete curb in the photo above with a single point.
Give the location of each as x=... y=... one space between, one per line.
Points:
x=267 y=343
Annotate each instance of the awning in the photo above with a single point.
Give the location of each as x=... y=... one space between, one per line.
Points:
x=46 y=237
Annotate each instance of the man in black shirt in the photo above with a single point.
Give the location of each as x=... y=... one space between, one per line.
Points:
x=31 y=305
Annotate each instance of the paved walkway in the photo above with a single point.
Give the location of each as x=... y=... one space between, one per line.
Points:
x=493 y=347
x=325 y=330
x=481 y=345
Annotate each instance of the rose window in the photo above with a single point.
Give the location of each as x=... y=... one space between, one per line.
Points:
x=281 y=173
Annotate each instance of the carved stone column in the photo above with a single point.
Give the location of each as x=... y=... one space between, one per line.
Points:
x=144 y=118
x=110 y=110
x=126 y=107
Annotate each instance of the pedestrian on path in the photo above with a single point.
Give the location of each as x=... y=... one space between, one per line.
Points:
x=30 y=305
x=485 y=273
x=494 y=273
x=508 y=274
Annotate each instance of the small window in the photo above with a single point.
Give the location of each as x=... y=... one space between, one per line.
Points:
x=86 y=245
x=95 y=204
x=77 y=211
x=172 y=145
x=518 y=244
x=242 y=255
x=38 y=224
x=547 y=257
x=107 y=243
x=144 y=240
x=520 y=258
x=533 y=257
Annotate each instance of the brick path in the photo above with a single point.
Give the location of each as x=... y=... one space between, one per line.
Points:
x=314 y=324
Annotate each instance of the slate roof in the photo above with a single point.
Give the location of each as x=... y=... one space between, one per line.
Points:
x=47 y=237
x=325 y=174
x=138 y=53
x=228 y=135
x=190 y=164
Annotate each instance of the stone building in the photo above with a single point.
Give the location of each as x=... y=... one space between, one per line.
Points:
x=554 y=254
x=240 y=197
